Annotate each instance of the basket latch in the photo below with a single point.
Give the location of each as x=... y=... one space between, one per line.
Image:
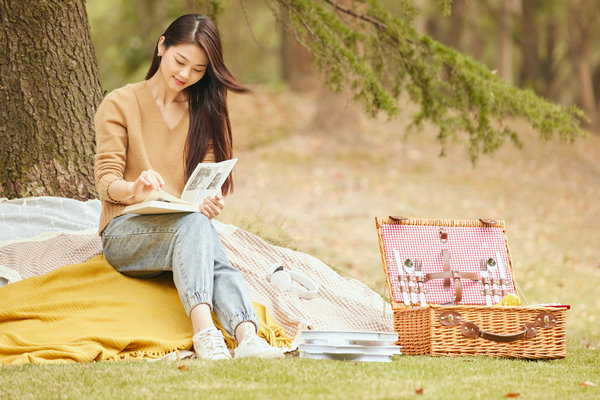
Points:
x=546 y=320
x=450 y=318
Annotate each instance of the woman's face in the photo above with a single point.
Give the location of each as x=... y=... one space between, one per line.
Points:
x=181 y=65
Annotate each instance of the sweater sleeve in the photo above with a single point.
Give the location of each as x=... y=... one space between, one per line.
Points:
x=111 y=143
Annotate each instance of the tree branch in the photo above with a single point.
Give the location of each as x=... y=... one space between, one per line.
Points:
x=354 y=14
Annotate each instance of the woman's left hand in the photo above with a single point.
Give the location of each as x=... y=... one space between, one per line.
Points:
x=212 y=206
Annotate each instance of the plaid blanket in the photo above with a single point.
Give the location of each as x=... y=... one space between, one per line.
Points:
x=342 y=303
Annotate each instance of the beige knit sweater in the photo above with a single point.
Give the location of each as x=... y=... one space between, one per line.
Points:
x=132 y=136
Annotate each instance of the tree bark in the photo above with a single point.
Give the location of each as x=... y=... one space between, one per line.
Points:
x=49 y=89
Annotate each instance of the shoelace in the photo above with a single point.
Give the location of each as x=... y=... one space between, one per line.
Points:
x=214 y=344
x=257 y=341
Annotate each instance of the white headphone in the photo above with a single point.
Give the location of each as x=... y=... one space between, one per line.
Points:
x=294 y=282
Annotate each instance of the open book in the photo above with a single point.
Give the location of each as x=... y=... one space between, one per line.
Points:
x=206 y=181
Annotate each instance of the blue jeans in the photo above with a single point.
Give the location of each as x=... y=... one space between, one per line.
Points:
x=187 y=244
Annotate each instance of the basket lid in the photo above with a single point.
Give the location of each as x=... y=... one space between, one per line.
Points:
x=450 y=254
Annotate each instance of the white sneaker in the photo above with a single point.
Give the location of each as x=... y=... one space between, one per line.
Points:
x=209 y=344
x=255 y=346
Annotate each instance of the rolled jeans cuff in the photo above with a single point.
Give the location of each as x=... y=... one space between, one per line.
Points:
x=200 y=297
x=243 y=317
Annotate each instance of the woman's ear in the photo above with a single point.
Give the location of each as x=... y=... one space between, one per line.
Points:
x=161 y=46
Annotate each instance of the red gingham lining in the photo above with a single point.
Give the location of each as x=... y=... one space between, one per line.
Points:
x=466 y=246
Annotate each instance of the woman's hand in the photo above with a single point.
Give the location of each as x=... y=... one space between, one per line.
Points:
x=146 y=182
x=212 y=206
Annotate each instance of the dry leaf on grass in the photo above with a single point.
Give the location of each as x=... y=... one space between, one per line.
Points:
x=183 y=368
x=512 y=395
x=419 y=391
x=587 y=383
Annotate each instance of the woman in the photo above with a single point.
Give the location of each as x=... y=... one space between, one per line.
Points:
x=150 y=136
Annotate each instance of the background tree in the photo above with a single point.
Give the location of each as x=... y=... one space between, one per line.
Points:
x=551 y=44
x=583 y=29
x=382 y=55
x=51 y=88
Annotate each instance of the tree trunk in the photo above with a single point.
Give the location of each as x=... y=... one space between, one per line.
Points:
x=152 y=16
x=335 y=114
x=582 y=30
x=296 y=67
x=530 y=65
x=505 y=41
x=549 y=65
x=456 y=35
x=474 y=40
x=49 y=89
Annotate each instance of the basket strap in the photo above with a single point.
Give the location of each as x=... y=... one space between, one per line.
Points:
x=446 y=258
x=456 y=276
x=471 y=330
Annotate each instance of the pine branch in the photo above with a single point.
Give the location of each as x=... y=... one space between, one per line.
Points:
x=380 y=56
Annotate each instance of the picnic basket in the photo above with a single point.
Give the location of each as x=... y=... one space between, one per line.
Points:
x=448 y=312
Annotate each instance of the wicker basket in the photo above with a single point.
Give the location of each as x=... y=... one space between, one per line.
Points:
x=468 y=330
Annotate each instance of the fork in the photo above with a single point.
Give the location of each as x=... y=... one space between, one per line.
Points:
x=492 y=266
x=483 y=271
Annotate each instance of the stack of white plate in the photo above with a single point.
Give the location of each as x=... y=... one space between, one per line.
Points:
x=349 y=345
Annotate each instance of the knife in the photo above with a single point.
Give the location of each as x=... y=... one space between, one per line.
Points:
x=503 y=285
x=403 y=289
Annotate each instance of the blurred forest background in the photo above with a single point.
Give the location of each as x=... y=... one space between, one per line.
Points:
x=544 y=45
x=314 y=170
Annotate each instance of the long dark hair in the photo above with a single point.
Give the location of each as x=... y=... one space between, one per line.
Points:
x=207 y=98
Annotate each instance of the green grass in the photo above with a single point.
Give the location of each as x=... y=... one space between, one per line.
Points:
x=296 y=378
x=318 y=195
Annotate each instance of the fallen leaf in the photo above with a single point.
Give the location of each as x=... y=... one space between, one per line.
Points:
x=182 y=368
x=419 y=391
x=512 y=395
x=585 y=342
x=587 y=383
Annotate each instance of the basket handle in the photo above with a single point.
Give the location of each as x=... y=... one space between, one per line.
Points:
x=471 y=330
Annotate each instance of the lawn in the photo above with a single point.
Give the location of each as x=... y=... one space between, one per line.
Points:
x=576 y=377
x=319 y=193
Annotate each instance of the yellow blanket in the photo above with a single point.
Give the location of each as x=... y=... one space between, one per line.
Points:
x=89 y=311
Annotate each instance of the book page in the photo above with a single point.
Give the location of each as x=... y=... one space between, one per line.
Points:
x=161 y=195
x=206 y=180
